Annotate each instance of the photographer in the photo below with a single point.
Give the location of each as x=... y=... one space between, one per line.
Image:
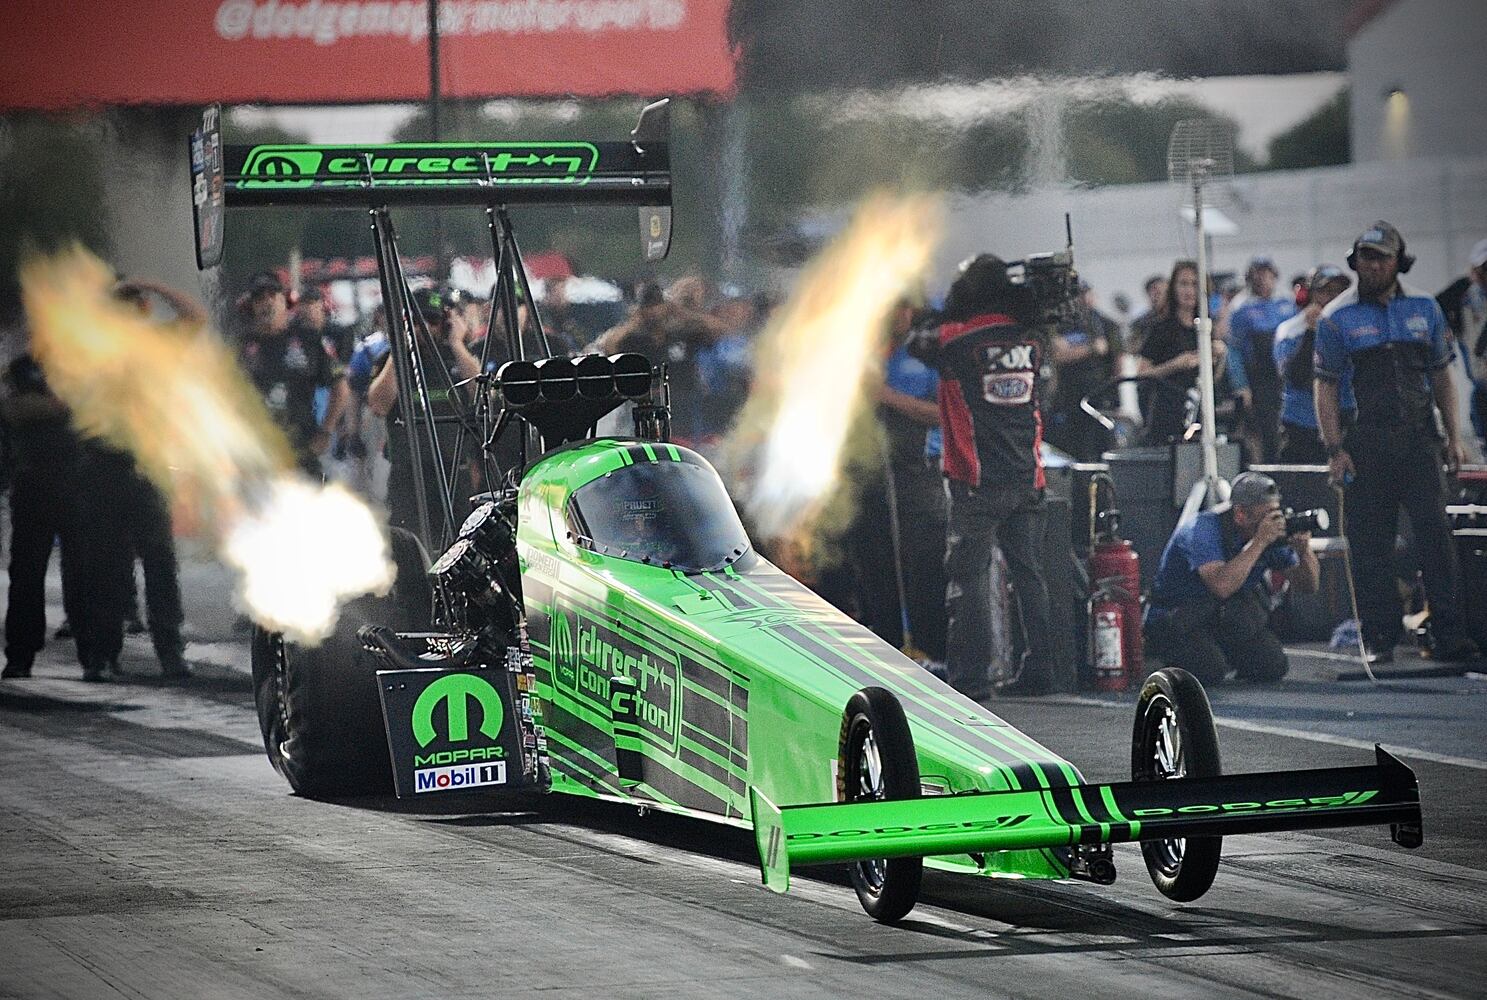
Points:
x=989 y=357
x=1210 y=609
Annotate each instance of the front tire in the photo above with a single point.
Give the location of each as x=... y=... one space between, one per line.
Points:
x=319 y=709
x=1174 y=737
x=878 y=763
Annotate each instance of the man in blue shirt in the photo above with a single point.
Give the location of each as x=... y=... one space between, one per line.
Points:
x=1252 y=373
x=1210 y=610
x=1295 y=348
x=1389 y=343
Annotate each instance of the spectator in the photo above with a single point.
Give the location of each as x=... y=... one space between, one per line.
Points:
x=1209 y=611
x=1464 y=303
x=287 y=366
x=1083 y=350
x=1295 y=343
x=447 y=339
x=1169 y=353
x=1156 y=300
x=1389 y=342
x=1252 y=374
x=908 y=408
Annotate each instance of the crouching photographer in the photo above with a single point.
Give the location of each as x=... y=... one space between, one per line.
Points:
x=1210 y=608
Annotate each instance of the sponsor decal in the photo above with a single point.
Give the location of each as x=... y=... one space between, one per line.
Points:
x=298 y=166
x=968 y=826
x=586 y=653
x=1273 y=805
x=453 y=779
x=455 y=692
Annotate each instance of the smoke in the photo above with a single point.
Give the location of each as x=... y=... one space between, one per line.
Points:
x=174 y=398
x=815 y=365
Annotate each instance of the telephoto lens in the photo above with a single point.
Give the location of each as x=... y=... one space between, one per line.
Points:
x=1314 y=520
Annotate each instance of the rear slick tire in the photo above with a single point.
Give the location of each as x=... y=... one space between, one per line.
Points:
x=318 y=708
x=1174 y=737
x=878 y=763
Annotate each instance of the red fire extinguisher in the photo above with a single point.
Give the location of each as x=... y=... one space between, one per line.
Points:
x=1115 y=648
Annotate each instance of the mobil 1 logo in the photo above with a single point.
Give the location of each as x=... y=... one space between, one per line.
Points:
x=450 y=730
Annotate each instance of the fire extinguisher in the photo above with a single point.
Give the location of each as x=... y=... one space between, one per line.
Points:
x=1115 y=647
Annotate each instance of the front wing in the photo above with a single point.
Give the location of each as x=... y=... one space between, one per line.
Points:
x=979 y=822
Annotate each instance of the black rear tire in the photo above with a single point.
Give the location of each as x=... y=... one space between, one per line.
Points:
x=878 y=762
x=318 y=709
x=1174 y=737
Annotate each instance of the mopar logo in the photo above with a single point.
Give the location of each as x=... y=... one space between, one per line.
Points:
x=444 y=757
x=969 y=826
x=455 y=691
x=1317 y=802
x=281 y=166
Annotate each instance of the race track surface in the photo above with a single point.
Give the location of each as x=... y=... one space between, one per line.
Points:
x=149 y=850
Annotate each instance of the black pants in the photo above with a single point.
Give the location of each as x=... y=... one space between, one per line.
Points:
x=869 y=544
x=922 y=519
x=981 y=520
x=41 y=512
x=1399 y=468
x=1301 y=445
x=125 y=516
x=1211 y=638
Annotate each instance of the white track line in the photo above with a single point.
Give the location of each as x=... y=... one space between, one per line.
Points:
x=1300 y=734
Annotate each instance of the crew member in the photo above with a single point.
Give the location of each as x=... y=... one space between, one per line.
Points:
x=1252 y=326
x=1389 y=343
x=989 y=362
x=1295 y=345
x=1210 y=611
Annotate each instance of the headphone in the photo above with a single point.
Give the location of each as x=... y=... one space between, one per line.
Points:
x=1406 y=261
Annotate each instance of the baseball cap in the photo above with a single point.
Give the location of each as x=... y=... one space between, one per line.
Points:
x=1251 y=488
x=1325 y=274
x=1478 y=255
x=432 y=303
x=1381 y=237
x=265 y=281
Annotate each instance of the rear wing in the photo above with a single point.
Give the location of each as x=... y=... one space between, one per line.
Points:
x=1385 y=793
x=293 y=175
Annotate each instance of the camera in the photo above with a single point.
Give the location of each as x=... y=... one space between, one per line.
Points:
x=1314 y=520
x=1049 y=282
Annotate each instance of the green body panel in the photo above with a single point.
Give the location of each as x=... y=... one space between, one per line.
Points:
x=741 y=676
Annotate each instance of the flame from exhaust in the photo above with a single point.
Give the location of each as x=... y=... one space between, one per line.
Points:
x=174 y=397
x=815 y=363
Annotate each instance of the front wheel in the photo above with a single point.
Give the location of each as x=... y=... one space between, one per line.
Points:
x=1174 y=737
x=878 y=763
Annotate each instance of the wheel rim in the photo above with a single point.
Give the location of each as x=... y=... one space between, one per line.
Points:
x=1167 y=760
x=867 y=785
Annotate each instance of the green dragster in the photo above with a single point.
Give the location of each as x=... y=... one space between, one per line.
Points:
x=677 y=669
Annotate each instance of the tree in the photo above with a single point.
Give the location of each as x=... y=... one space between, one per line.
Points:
x=1322 y=139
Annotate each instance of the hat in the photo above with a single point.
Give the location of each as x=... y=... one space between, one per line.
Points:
x=433 y=303
x=265 y=281
x=1252 y=488
x=1478 y=255
x=1325 y=274
x=1381 y=237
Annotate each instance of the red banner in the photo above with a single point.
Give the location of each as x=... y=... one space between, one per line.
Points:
x=171 y=52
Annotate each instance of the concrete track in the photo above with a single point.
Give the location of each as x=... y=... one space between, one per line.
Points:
x=150 y=851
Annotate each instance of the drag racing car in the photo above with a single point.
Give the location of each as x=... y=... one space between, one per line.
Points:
x=602 y=626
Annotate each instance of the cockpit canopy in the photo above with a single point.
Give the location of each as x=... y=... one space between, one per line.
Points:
x=670 y=513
